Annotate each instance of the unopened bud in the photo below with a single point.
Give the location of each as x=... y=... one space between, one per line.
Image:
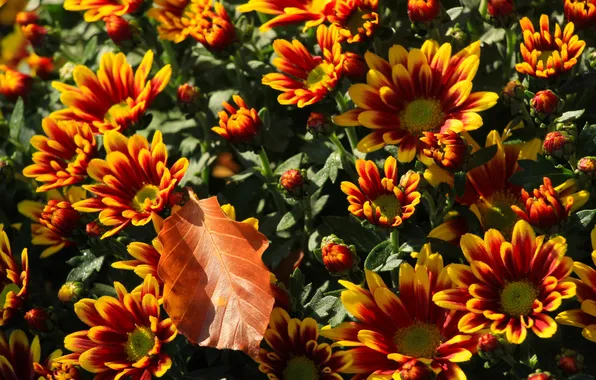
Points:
x=354 y=66
x=188 y=96
x=558 y=144
x=37 y=319
x=338 y=257
x=490 y=347
x=541 y=376
x=71 y=292
x=545 y=103
x=416 y=370
x=319 y=124
x=93 y=229
x=26 y=18
x=570 y=362
x=292 y=182
x=587 y=166
x=118 y=29
x=35 y=34
x=513 y=91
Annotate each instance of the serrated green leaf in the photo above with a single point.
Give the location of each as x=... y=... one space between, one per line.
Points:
x=570 y=116
x=90 y=50
x=84 y=266
x=290 y=219
x=340 y=314
x=320 y=178
x=581 y=220
x=333 y=164
x=318 y=204
x=454 y=13
x=218 y=97
x=377 y=258
x=291 y=163
x=323 y=306
x=17 y=119
x=392 y=262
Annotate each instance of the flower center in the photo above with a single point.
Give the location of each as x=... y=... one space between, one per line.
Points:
x=389 y=205
x=117 y=112
x=300 y=368
x=517 y=298
x=497 y=213
x=145 y=197
x=139 y=343
x=11 y=287
x=319 y=75
x=355 y=21
x=418 y=341
x=422 y=115
x=544 y=56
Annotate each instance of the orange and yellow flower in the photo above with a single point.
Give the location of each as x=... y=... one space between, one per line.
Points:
x=52 y=369
x=132 y=183
x=96 y=10
x=288 y=12
x=216 y=30
x=293 y=351
x=585 y=317
x=448 y=150
x=386 y=202
x=355 y=19
x=306 y=79
x=423 y=10
x=510 y=287
x=40 y=66
x=391 y=331
x=14 y=280
x=424 y=90
x=54 y=221
x=63 y=154
x=582 y=13
x=546 y=55
x=17 y=356
x=115 y=97
x=126 y=336
x=178 y=19
x=238 y=125
x=13 y=84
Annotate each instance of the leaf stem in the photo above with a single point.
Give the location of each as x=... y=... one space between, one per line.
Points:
x=270 y=179
x=342 y=106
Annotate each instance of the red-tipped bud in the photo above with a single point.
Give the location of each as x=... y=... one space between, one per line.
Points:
x=93 y=229
x=500 y=8
x=216 y=30
x=71 y=292
x=490 y=347
x=558 y=144
x=292 y=180
x=545 y=102
x=238 y=125
x=37 y=319
x=319 y=124
x=354 y=65
x=60 y=217
x=448 y=149
x=570 y=362
x=26 y=18
x=338 y=257
x=35 y=34
x=188 y=94
x=416 y=370
x=541 y=376
x=118 y=29
x=513 y=91
x=423 y=10
x=587 y=166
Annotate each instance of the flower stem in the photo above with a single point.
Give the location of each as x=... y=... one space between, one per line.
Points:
x=394 y=238
x=307 y=217
x=342 y=106
x=269 y=179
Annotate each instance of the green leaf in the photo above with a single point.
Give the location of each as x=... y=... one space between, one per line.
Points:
x=377 y=258
x=454 y=13
x=317 y=204
x=586 y=142
x=84 y=266
x=493 y=35
x=90 y=50
x=459 y=182
x=323 y=306
x=333 y=164
x=291 y=163
x=320 y=178
x=570 y=116
x=352 y=232
x=296 y=283
x=532 y=173
x=218 y=97
x=99 y=290
x=392 y=262
x=482 y=156
x=17 y=120
x=290 y=219
x=581 y=220
x=340 y=314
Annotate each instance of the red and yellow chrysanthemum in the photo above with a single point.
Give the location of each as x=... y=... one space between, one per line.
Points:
x=386 y=202
x=510 y=287
x=63 y=153
x=13 y=83
x=14 y=280
x=52 y=369
x=178 y=19
x=132 y=183
x=238 y=125
x=582 y=13
x=126 y=337
x=55 y=221
x=146 y=257
x=355 y=19
x=293 y=351
x=288 y=12
x=392 y=330
x=306 y=79
x=96 y=10
x=424 y=90
x=546 y=55
x=584 y=318
x=115 y=97
x=17 y=356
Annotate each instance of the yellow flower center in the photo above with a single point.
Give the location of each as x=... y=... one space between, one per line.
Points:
x=117 y=111
x=418 y=341
x=11 y=287
x=544 y=56
x=139 y=343
x=356 y=21
x=497 y=213
x=422 y=115
x=148 y=192
x=518 y=297
x=319 y=76
x=389 y=205
x=300 y=368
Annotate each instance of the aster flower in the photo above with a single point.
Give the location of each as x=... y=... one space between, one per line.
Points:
x=216 y=30
x=306 y=79
x=385 y=202
x=14 y=280
x=54 y=221
x=288 y=12
x=582 y=13
x=585 y=317
x=126 y=337
x=13 y=83
x=97 y=10
x=238 y=125
x=424 y=90
x=355 y=19
x=510 y=287
x=17 y=356
x=63 y=153
x=423 y=10
x=391 y=331
x=546 y=55
x=145 y=259
x=178 y=19
x=52 y=369
x=448 y=149
x=294 y=352
x=115 y=97
x=132 y=183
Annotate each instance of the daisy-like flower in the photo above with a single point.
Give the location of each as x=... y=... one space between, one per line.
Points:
x=546 y=55
x=510 y=287
x=355 y=19
x=132 y=183
x=582 y=13
x=584 y=318
x=54 y=221
x=115 y=97
x=306 y=79
x=17 y=356
x=448 y=149
x=293 y=351
x=14 y=280
x=216 y=30
x=424 y=90
x=392 y=331
x=178 y=19
x=13 y=83
x=63 y=154
x=97 y=10
x=288 y=12
x=238 y=125
x=386 y=202
x=52 y=369
x=146 y=257
x=126 y=336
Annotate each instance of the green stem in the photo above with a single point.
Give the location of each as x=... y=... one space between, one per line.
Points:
x=435 y=35
x=352 y=138
x=270 y=179
x=340 y=147
x=511 y=39
x=394 y=238
x=307 y=217
x=342 y=107
x=167 y=45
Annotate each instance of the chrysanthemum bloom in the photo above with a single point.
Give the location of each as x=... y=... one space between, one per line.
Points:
x=584 y=318
x=63 y=154
x=306 y=79
x=52 y=369
x=132 y=183
x=424 y=90
x=118 y=29
x=392 y=330
x=97 y=10
x=17 y=356
x=423 y=10
x=14 y=280
x=582 y=13
x=116 y=97
x=385 y=202
x=545 y=207
x=356 y=20
x=187 y=93
x=126 y=336
x=238 y=125
x=546 y=55
x=293 y=350
x=448 y=149
x=354 y=66
x=510 y=286
x=545 y=102
x=558 y=144
x=338 y=257
x=288 y=12
x=178 y=19
x=215 y=29
x=13 y=83
x=55 y=220
x=146 y=257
